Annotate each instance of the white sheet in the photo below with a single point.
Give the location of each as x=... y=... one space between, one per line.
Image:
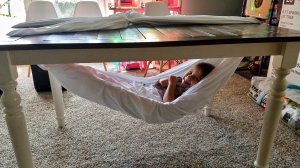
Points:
x=117 y=21
x=132 y=95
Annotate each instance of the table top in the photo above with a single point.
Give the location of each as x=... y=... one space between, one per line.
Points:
x=158 y=36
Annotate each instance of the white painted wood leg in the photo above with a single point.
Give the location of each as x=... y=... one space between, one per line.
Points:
x=58 y=100
x=271 y=118
x=207 y=110
x=272 y=113
x=15 y=119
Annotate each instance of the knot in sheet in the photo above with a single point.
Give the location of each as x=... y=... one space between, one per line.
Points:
x=117 y=21
x=135 y=96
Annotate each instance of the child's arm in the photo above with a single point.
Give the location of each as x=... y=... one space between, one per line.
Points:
x=170 y=92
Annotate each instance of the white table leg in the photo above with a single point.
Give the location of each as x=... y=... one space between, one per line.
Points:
x=14 y=116
x=271 y=118
x=282 y=64
x=58 y=100
x=207 y=109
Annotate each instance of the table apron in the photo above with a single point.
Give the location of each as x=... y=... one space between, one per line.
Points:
x=56 y=56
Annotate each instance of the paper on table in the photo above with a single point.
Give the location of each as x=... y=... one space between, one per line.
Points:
x=49 y=22
x=72 y=25
x=42 y=22
x=192 y=19
x=121 y=20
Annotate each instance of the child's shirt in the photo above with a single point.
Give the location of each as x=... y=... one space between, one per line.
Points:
x=179 y=90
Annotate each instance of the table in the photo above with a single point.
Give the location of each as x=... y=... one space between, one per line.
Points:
x=147 y=43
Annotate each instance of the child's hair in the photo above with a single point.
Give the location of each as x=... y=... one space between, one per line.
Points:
x=205 y=67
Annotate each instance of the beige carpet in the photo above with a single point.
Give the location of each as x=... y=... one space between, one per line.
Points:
x=96 y=136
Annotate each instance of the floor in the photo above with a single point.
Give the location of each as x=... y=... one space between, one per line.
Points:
x=96 y=136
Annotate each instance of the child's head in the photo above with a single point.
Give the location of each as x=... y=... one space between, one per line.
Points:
x=197 y=73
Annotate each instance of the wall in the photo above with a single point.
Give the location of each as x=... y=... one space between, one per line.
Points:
x=212 y=7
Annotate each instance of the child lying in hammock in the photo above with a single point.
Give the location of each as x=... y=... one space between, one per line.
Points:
x=172 y=87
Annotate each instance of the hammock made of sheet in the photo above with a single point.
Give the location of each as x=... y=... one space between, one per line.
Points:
x=118 y=21
x=134 y=95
